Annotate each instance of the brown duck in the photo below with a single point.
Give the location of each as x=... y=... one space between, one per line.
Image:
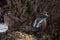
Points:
x=13 y=22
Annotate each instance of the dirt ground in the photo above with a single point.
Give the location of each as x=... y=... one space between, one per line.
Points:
x=30 y=10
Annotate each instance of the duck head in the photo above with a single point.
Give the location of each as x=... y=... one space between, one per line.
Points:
x=45 y=14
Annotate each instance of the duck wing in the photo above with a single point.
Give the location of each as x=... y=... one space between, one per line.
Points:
x=37 y=22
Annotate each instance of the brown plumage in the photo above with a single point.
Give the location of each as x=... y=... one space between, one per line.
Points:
x=13 y=22
x=43 y=25
x=41 y=22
